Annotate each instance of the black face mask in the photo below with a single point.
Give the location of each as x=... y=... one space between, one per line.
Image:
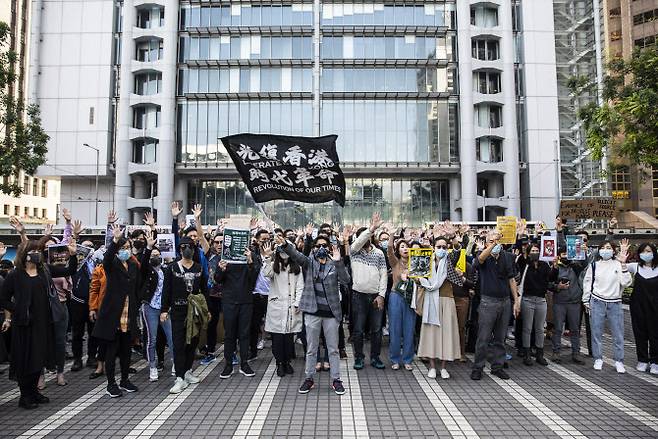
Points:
x=533 y=257
x=138 y=244
x=155 y=262
x=188 y=253
x=35 y=258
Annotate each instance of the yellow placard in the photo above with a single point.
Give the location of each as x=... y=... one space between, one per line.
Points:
x=461 y=262
x=420 y=262
x=507 y=226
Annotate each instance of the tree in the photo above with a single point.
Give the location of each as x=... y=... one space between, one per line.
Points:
x=626 y=123
x=22 y=139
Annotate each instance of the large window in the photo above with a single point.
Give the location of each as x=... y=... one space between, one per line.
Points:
x=489 y=149
x=44 y=189
x=486 y=82
x=368 y=14
x=485 y=49
x=148 y=83
x=150 y=17
x=149 y=50
x=26 y=185
x=399 y=200
x=245 y=80
x=245 y=47
x=489 y=115
x=238 y=14
x=484 y=16
x=367 y=47
x=146 y=117
x=421 y=80
x=144 y=151
x=645 y=17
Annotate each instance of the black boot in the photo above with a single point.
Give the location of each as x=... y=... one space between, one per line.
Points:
x=280 y=371
x=527 y=360
x=77 y=365
x=287 y=368
x=540 y=357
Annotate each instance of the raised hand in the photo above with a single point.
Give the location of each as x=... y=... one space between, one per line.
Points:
x=624 y=246
x=279 y=240
x=247 y=253
x=48 y=229
x=112 y=217
x=253 y=223
x=346 y=233
x=117 y=233
x=267 y=249
x=150 y=239
x=67 y=215
x=375 y=221
x=17 y=225
x=309 y=229
x=335 y=255
x=176 y=209
x=77 y=228
x=149 y=220
x=222 y=265
x=73 y=248
x=196 y=210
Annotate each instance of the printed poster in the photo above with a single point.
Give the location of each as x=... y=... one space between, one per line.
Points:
x=420 y=262
x=235 y=243
x=575 y=249
x=507 y=226
x=548 y=249
x=58 y=254
x=166 y=244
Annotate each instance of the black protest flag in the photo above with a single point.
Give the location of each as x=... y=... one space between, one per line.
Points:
x=304 y=169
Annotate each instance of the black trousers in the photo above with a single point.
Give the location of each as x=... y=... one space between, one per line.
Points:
x=259 y=310
x=283 y=347
x=28 y=385
x=160 y=343
x=237 y=321
x=215 y=308
x=121 y=347
x=588 y=329
x=80 y=324
x=183 y=352
x=644 y=310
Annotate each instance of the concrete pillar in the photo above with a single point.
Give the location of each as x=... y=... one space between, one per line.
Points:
x=316 y=67
x=455 y=191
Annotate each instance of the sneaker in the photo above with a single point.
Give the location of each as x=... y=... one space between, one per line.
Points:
x=207 y=360
x=620 y=367
x=431 y=373
x=577 y=359
x=408 y=367
x=173 y=370
x=113 y=390
x=280 y=372
x=476 y=374
x=235 y=361
x=77 y=365
x=641 y=367
x=246 y=370
x=377 y=363
x=654 y=369
x=306 y=386
x=227 y=372
x=510 y=334
x=508 y=357
x=287 y=368
x=556 y=357
x=299 y=341
x=179 y=386
x=395 y=366
x=358 y=363
x=500 y=373
x=343 y=354
x=190 y=378
x=444 y=374
x=260 y=345
x=128 y=386
x=337 y=385
x=385 y=331
x=153 y=374
x=598 y=364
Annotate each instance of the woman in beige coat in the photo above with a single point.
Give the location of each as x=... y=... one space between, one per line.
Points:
x=283 y=318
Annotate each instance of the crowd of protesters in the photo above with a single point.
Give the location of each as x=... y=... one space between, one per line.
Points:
x=309 y=286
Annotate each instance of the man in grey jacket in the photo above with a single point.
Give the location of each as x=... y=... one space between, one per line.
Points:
x=320 y=303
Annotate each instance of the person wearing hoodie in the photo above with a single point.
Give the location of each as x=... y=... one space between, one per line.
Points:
x=370 y=280
x=604 y=282
x=567 y=298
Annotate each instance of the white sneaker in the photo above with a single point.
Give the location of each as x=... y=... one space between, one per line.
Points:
x=598 y=364
x=191 y=379
x=260 y=345
x=510 y=334
x=173 y=370
x=179 y=386
x=444 y=374
x=409 y=367
x=620 y=367
x=395 y=366
x=654 y=369
x=153 y=374
x=431 y=373
x=385 y=331
x=641 y=367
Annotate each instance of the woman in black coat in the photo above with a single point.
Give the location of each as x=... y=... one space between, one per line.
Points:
x=117 y=314
x=31 y=305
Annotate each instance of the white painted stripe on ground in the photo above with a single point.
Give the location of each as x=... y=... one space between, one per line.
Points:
x=254 y=416
x=452 y=418
x=159 y=415
x=548 y=417
x=353 y=415
x=66 y=413
x=612 y=399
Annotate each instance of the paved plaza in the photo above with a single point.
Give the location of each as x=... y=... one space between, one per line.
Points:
x=559 y=400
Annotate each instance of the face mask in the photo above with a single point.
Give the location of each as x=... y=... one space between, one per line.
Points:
x=534 y=257
x=646 y=257
x=188 y=253
x=123 y=255
x=155 y=262
x=565 y=262
x=321 y=253
x=138 y=244
x=606 y=254
x=496 y=250
x=384 y=245
x=35 y=258
x=441 y=253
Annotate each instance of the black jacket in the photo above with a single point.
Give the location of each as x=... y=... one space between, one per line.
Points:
x=81 y=284
x=237 y=282
x=149 y=278
x=175 y=286
x=121 y=283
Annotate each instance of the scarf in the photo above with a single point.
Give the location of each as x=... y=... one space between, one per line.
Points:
x=443 y=270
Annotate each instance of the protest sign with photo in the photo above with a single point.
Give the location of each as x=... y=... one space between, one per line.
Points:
x=83 y=251
x=166 y=243
x=234 y=245
x=58 y=254
x=507 y=227
x=548 y=248
x=585 y=209
x=304 y=169
x=420 y=262
x=575 y=249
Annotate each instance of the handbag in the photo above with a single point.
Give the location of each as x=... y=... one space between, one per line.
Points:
x=419 y=300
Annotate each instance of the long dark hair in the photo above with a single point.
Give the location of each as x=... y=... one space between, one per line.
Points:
x=281 y=264
x=641 y=250
x=23 y=250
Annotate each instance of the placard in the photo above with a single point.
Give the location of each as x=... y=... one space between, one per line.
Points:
x=58 y=254
x=461 y=262
x=548 y=248
x=584 y=209
x=83 y=251
x=575 y=249
x=507 y=227
x=234 y=245
x=189 y=221
x=420 y=262
x=166 y=244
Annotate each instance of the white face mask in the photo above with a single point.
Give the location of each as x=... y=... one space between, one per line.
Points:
x=606 y=254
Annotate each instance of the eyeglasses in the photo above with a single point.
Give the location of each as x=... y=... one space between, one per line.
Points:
x=444 y=247
x=217 y=242
x=322 y=245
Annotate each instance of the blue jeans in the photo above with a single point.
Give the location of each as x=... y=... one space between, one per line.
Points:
x=599 y=311
x=151 y=320
x=401 y=325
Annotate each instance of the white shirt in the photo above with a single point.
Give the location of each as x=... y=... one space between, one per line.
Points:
x=609 y=281
x=645 y=271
